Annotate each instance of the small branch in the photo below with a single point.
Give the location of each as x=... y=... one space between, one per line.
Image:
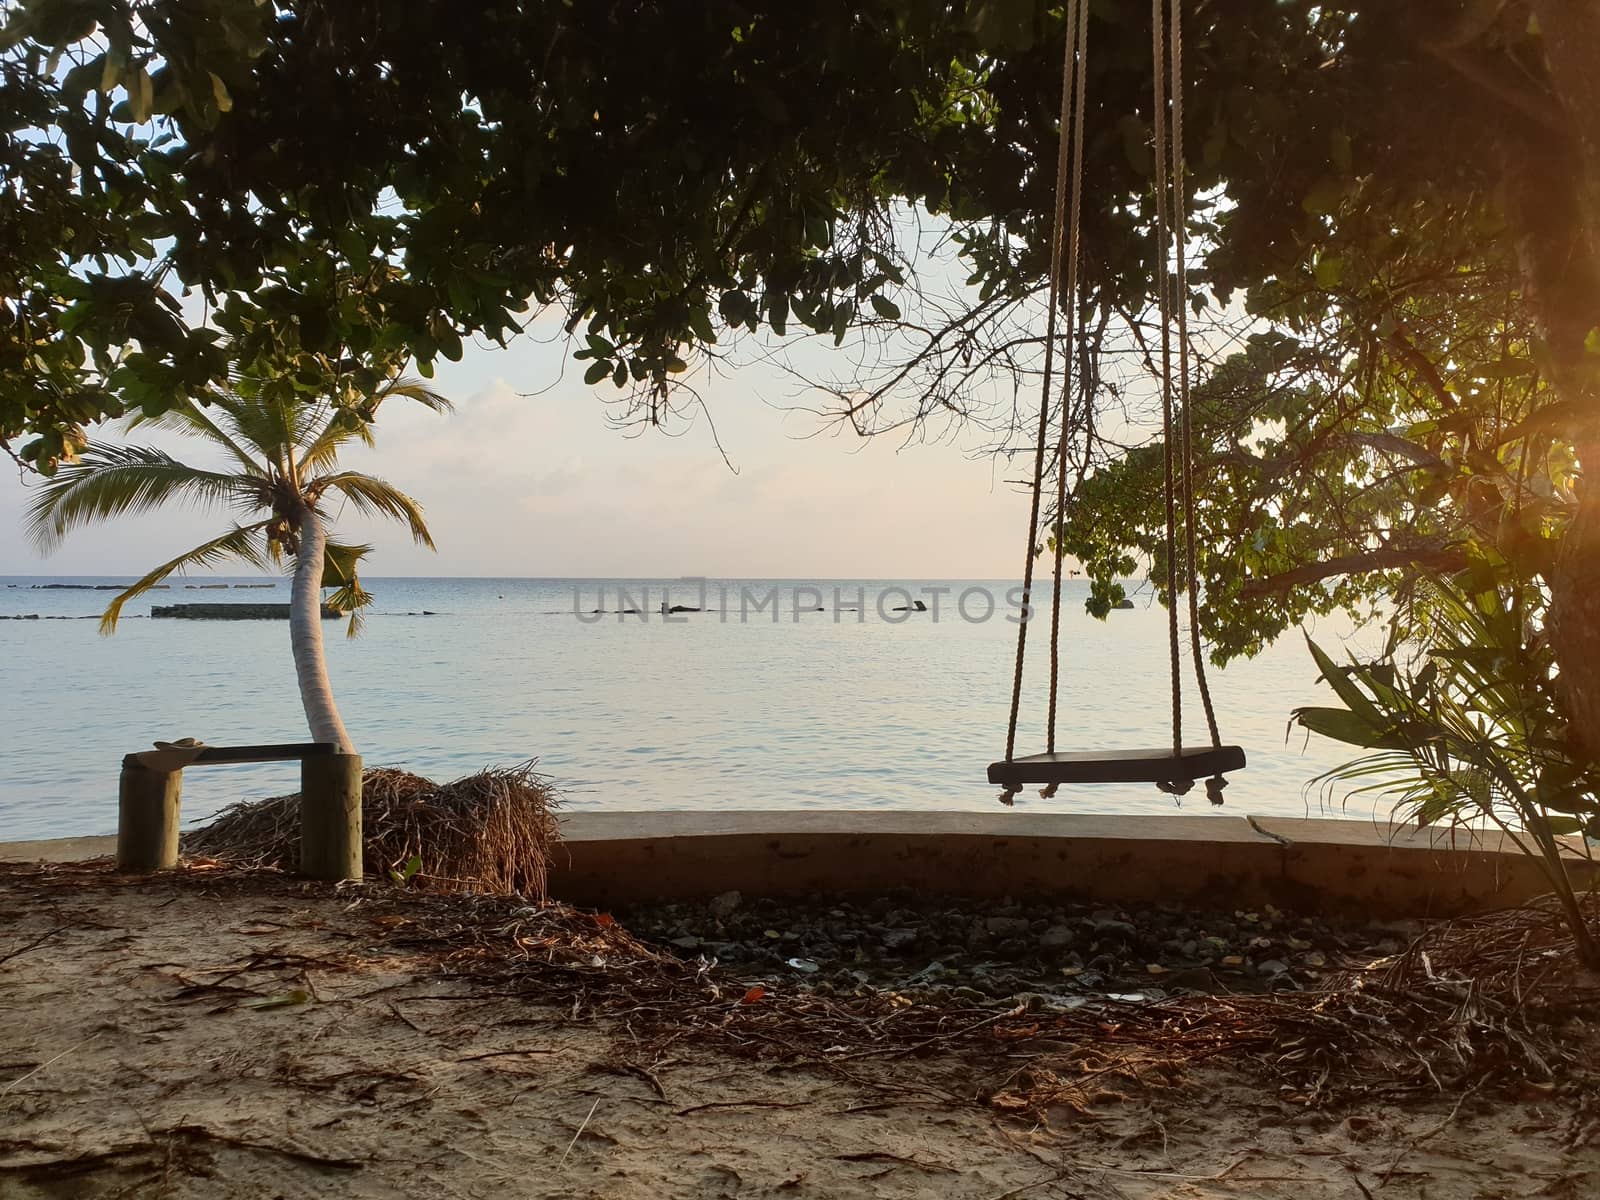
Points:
x=1422 y=365
x=1508 y=89
x=579 y=1134
x=38 y=941
x=1432 y=559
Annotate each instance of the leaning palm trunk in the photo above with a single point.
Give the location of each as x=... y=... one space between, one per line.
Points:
x=305 y=635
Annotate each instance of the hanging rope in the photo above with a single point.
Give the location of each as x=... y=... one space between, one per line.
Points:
x=1076 y=16
x=1216 y=783
x=1070 y=290
x=1171 y=221
x=1164 y=304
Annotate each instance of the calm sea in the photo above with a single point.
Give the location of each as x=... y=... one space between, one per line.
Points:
x=829 y=709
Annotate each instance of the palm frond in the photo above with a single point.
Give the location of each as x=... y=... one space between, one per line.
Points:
x=188 y=417
x=262 y=423
x=243 y=543
x=109 y=481
x=408 y=387
x=372 y=495
x=1468 y=732
x=342 y=427
x=340 y=563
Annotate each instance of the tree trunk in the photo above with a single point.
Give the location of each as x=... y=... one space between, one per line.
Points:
x=1553 y=200
x=305 y=636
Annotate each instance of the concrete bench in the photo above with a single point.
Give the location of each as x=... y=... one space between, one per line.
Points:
x=150 y=795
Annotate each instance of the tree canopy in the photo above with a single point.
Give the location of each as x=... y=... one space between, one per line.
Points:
x=333 y=184
x=177 y=170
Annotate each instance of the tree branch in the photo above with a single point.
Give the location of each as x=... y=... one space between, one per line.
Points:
x=1387 y=559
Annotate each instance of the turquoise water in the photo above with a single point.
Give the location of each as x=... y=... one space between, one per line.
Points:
x=817 y=710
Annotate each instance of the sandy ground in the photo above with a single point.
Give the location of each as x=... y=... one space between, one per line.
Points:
x=159 y=1039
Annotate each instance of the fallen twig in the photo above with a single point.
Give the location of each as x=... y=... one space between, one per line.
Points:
x=204 y=1133
x=37 y=942
x=6 y=1091
x=579 y=1134
x=694 y=1108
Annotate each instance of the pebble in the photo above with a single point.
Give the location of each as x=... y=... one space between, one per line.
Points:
x=954 y=949
x=1007 y=926
x=899 y=939
x=1056 y=937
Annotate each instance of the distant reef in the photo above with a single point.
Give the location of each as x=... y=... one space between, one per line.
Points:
x=86 y=587
x=232 y=612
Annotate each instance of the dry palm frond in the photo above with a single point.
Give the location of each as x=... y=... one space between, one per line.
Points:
x=492 y=832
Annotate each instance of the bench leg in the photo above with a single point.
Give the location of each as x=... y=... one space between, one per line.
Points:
x=330 y=817
x=147 y=819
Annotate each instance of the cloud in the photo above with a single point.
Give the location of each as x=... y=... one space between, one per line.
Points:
x=544 y=485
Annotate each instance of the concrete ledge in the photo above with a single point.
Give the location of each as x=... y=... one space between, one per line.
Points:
x=611 y=859
x=1405 y=870
x=615 y=858
x=58 y=849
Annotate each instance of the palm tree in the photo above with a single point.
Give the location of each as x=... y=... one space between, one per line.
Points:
x=282 y=471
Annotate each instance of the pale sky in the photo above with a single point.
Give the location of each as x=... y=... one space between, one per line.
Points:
x=542 y=486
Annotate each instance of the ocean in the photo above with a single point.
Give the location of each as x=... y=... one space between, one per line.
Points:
x=763 y=703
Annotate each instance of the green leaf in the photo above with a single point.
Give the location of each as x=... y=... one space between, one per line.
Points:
x=112 y=65
x=141 y=97
x=778 y=311
x=219 y=92
x=885 y=308
x=735 y=307
x=597 y=371
x=700 y=325
x=1341 y=725
x=352 y=245
x=1339 y=680
x=1324 y=197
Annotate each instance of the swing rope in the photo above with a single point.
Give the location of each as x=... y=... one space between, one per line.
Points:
x=1216 y=783
x=1159 y=55
x=1179 y=171
x=1178 y=463
x=1076 y=16
x=1074 y=234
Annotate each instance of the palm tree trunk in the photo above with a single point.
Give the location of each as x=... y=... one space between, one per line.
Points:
x=305 y=636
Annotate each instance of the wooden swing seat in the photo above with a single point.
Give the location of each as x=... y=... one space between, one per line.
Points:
x=1117 y=766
